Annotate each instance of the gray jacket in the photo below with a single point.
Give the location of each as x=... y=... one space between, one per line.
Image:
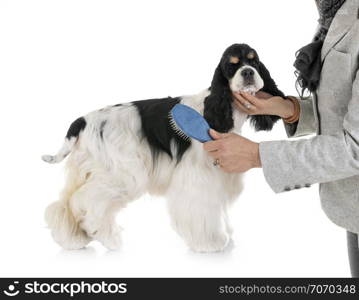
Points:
x=330 y=158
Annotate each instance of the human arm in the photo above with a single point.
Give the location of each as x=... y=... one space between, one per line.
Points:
x=265 y=104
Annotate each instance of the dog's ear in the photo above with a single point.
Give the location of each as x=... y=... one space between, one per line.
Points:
x=263 y=122
x=266 y=122
x=269 y=84
x=218 y=105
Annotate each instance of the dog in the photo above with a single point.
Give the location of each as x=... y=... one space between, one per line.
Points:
x=119 y=153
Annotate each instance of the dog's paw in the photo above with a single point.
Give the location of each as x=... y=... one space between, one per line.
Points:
x=110 y=239
x=114 y=243
x=49 y=159
x=73 y=242
x=216 y=243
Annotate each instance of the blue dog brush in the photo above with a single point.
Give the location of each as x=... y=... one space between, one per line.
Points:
x=188 y=123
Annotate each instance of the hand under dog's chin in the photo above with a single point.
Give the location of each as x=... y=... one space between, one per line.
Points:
x=252 y=90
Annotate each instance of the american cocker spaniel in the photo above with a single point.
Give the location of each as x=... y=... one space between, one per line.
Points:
x=120 y=152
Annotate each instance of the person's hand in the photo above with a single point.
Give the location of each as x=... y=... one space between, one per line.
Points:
x=263 y=104
x=232 y=152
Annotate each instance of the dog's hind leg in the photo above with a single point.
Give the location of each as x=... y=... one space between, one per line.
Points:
x=60 y=219
x=95 y=206
x=98 y=201
x=64 y=227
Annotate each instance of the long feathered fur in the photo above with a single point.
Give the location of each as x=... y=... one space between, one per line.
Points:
x=119 y=153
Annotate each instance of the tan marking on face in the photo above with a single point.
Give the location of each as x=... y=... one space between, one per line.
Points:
x=251 y=55
x=234 y=60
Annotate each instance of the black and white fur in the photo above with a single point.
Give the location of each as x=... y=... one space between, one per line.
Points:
x=118 y=153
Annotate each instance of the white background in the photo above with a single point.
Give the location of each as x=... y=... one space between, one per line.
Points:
x=62 y=59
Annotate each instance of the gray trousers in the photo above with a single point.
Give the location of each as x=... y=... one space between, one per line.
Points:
x=353 y=251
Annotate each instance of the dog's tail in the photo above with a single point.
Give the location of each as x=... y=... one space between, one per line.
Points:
x=70 y=140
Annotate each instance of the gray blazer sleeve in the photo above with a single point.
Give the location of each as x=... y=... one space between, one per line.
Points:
x=307 y=122
x=323 y=158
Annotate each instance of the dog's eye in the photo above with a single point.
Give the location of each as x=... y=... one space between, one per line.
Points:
x=234 y=60
x=251 y=55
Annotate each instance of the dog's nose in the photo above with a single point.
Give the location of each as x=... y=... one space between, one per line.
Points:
x=247 y=73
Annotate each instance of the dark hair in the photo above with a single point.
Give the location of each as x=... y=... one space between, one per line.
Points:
x=218 y=105
x=266 y=122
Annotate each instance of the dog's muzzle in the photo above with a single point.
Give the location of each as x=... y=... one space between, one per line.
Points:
x=248 y=76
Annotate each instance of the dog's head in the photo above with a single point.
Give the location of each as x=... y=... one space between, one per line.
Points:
x=239 y=70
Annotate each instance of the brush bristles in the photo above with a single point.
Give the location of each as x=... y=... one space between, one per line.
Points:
x=178 y=130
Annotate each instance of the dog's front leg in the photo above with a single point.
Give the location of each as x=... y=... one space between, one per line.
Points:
x=198 y=216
